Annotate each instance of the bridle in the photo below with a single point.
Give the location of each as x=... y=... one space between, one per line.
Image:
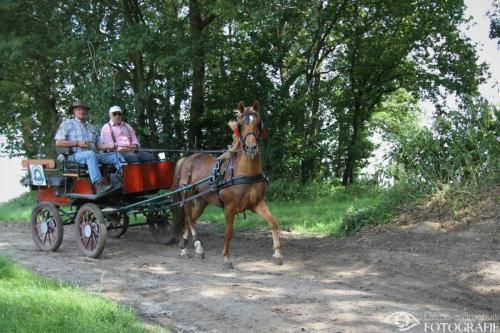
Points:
x=245 y=117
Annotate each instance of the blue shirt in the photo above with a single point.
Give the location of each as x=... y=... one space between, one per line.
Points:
x=74 y=129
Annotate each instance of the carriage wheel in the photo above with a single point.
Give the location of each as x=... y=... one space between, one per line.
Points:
x=46 y=227
x=118 y=220
x=90 y=230
x=161 y=226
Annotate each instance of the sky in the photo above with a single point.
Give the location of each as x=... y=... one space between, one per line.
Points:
x=488 y=51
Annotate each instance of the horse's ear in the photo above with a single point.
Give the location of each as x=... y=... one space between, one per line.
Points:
x=241 y=106
x=256 y=106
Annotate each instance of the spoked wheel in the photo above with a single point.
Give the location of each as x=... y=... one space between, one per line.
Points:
x=46 y=227
x=90 y=230
x=117 y=220
x=161 y=226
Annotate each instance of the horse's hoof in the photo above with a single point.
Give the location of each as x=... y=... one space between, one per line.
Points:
x=228 y=265
x=200 y=255
x=278 y=261
x=183 y=254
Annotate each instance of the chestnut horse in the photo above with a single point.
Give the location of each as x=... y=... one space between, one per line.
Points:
x=243 y=186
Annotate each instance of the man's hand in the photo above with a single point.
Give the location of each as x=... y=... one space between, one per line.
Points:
x=106 y=146
x=82 y=144
x=126 y=149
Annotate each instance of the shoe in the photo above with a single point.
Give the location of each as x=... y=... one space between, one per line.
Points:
x=101 y=187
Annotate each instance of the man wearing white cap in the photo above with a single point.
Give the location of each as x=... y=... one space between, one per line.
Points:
x=82 y=139
x=122 y=136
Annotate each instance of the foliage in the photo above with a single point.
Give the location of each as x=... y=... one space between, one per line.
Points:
x=319 y=68
x=379 y=212
x=30 y=303
x=494 y=15
x=461 y=148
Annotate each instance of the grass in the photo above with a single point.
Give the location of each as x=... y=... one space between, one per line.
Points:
x=319 y=208
x=18 y=209
x=325 y=215
x=31 y=303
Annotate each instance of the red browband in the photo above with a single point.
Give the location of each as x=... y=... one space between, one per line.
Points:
x=263 y=133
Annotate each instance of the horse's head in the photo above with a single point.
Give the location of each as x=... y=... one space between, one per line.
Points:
x=250 y=127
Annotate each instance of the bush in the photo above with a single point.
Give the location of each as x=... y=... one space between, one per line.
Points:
x=461 y=149
x=356 y=218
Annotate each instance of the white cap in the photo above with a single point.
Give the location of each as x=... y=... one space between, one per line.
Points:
x=115 y=109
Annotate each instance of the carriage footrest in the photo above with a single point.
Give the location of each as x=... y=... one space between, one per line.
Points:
x=92 y=196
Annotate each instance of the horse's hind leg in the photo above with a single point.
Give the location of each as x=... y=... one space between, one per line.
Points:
x=263 y=211
x=197 y=209
x=185 y=235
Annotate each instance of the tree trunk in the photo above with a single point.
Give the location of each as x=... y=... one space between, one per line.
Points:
x=178 y=127
x=197 y=25
x=147 y=115
x=309 y=162
x=198 y=79
x=352 y=149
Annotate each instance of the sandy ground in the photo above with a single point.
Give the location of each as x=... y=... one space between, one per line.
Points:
x=325 y=285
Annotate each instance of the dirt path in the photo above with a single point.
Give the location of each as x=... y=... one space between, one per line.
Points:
x=325 y=285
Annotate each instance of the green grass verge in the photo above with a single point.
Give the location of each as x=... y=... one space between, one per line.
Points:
x=319 y=208
x=30 y=303
x=18 y=209
x=340 y=211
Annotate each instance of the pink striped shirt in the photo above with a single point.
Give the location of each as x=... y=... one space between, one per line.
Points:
x=123 y=132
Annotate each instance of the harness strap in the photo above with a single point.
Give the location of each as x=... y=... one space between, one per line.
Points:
x=238 y=180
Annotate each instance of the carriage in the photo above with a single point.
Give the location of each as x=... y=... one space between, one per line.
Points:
x=65 y=196
x=169 y=195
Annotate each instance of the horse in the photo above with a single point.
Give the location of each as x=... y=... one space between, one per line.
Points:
x=240 y=187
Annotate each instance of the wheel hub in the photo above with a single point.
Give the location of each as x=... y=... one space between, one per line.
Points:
x=87 y=231
x=43 y=227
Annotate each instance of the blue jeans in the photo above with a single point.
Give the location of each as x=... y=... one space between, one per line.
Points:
x=138 y=156
x=92 y=159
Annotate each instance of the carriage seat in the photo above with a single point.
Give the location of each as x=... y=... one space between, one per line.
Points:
x=73 y=169
x=69 y=168
x=51 y=179
x=47 y=164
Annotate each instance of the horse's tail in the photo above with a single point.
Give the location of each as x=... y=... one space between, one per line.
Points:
x=179 y=215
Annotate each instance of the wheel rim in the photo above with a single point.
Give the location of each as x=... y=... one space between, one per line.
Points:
x=89 y=231
x=161 y=226
x=45 y=227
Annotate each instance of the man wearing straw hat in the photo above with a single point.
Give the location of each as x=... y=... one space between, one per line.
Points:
x=83 y=140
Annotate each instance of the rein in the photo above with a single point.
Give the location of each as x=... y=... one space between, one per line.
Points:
x=218 y=184
x=235 y=180
x=215 y=180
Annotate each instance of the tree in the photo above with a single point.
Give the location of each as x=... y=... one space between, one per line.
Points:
x=28 y=75
x=391 y=45
x=494 y=15
x=198 y=22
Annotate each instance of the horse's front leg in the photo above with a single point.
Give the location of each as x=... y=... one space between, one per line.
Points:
x=183 y=242
x=228 y=235
x=263 y=211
